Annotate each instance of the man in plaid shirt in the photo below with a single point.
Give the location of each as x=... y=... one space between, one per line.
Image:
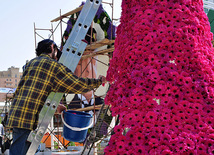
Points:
x=42 y=76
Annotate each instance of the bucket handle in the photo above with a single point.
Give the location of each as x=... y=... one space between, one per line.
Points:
x=76 y=128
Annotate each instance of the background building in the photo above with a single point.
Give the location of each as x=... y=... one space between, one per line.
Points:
x=9 y=79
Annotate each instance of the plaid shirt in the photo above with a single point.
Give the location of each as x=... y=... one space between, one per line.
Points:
x=42 y=76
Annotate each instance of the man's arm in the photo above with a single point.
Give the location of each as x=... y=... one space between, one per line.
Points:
x=66 y=82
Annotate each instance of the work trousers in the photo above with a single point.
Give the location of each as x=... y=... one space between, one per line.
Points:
x=20 y=145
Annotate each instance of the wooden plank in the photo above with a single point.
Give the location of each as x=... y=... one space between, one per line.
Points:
x=109 y=50
x=68 y=14
x=98 y=44
x=97 y=107
x=105 y=51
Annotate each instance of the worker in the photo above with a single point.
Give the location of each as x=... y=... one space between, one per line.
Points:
x=1 y=135
x=42 y=76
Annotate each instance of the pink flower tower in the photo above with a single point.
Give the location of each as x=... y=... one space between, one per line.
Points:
x=162 y=75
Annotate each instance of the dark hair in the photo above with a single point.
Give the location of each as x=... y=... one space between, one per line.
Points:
x=3 y=123
x=44 y=46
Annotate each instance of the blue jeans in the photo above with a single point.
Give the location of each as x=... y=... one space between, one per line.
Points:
x=20 y=145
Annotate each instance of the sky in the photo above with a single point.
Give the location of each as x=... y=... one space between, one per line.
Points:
x=17 y=19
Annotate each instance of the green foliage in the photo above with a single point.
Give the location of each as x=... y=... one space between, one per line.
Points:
x=71 y=144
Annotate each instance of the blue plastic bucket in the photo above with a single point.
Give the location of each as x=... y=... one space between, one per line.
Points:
x=76 y=124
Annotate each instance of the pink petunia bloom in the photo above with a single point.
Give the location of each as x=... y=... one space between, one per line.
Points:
x=153 y=142
x=160 y=88
x=140 y=138
x=180 y=80
x=190 y=144
x=130 y=135
x=211 y=150
x=165 y=139
x=148 y=126
x=153 y=151
x=166 y=102
x=181 y=148
x=167 y=152
x=110 y=151
x=209 y=121
x=151 y=116
x=189 y=128
x=155 y=77
x=120 y=146
x=201 y=149
x=209 y=142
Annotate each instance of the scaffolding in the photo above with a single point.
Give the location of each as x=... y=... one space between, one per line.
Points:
x=99 y=135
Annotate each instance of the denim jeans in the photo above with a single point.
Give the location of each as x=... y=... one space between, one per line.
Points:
x=20 y=144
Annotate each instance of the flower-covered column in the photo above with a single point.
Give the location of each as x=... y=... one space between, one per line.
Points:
x=162 y=75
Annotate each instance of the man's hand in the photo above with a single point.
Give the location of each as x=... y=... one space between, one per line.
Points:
x=61 y=108
x=103 y=79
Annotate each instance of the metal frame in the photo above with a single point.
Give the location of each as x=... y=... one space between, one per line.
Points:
x=60 y=21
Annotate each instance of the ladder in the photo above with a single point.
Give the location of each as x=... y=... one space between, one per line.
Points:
x=71 y=55
x=93 y=136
